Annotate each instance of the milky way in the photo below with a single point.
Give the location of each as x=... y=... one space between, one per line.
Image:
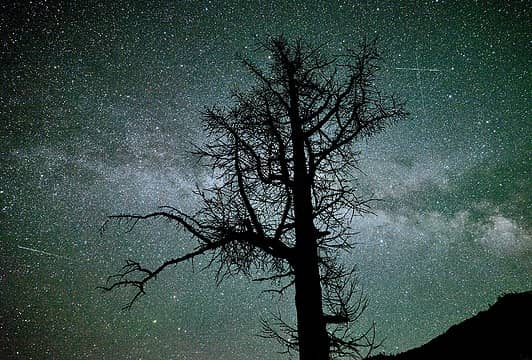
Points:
x=99 y=106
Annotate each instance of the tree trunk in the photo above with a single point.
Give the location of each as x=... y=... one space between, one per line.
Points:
x=311 y=327
x=312 y=334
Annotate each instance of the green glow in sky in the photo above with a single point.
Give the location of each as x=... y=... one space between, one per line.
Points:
x=98 y=106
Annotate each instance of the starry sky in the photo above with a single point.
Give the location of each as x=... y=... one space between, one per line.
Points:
x=99 y=105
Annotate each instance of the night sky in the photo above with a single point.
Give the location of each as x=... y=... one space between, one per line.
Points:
x=99 y=105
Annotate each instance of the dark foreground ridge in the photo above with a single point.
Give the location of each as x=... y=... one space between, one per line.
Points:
x=504 y=332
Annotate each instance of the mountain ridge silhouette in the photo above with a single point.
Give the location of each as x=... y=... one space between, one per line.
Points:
x=504 y=331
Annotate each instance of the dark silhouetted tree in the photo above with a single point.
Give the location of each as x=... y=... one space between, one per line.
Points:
x=283 y=197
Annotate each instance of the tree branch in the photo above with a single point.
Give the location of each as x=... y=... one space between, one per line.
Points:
x=133 y=268
x=180 y=217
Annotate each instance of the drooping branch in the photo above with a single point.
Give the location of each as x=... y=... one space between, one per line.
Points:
x=213 y=238
x=344 y=344
x=133 y=268
x=276 y=328
x=346 y=304
x=178 y=216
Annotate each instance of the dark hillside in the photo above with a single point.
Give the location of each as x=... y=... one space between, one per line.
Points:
x=504 y=331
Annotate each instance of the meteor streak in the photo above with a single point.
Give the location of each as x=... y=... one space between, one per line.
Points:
x=417 y=69
x=44 y=252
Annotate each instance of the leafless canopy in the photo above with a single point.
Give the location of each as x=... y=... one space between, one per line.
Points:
x=246 y=221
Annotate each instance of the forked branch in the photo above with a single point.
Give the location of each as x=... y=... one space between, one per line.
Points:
x=136 y=276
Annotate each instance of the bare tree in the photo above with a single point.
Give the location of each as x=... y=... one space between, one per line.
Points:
x=283 y=197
